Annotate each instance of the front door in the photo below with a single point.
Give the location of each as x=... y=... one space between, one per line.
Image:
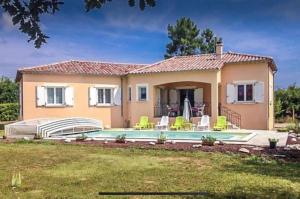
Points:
x=189 y=93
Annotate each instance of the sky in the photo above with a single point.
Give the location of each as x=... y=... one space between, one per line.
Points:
x=118 y=33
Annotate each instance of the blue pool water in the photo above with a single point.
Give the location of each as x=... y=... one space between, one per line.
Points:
x=171 y=135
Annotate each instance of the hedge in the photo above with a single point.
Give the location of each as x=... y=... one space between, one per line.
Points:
x=9 y=111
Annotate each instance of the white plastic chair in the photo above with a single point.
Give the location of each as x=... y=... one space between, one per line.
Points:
x=164 y=123
x=204 y=123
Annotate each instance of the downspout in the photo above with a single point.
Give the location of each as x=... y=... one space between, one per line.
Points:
x=274 y=72
x=21 y=99
x=122 y=111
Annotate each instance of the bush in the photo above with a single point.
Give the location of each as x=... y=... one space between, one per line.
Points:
x=208 y=140
x=82 y=137
x=9 y=112
x=283 y=129
x=121 y=138
x=162 y=138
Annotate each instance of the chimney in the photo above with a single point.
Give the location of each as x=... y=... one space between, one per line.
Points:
x=219 y=49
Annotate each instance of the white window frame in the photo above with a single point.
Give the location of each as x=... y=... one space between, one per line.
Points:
x=244 y=84
x=129 y=94
x=138 y=94
x=54 y=95
x=104 y=100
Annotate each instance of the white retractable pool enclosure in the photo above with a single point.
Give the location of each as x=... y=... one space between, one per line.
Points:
x=48 y=127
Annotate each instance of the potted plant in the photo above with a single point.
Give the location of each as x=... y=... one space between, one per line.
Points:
x=121 y=138
x=161 y=139
x=208 y=140
x=82 y=137
x=273 y=143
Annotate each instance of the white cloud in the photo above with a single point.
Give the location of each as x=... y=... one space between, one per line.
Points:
x=6 y=22
x=150 y=20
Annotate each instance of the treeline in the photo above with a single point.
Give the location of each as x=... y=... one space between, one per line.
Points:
x=9 y=97
x=287 y=104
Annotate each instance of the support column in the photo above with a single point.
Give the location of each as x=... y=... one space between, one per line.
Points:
x=214 y=102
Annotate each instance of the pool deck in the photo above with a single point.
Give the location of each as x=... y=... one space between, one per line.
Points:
x=257 y=137
x=262 y=138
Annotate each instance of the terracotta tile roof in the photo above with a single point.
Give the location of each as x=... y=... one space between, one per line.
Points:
x=201 y=62
x=83 y=67
x=179 y=63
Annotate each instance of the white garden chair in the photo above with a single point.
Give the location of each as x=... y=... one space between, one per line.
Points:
x=163 y=124
x=204 y=123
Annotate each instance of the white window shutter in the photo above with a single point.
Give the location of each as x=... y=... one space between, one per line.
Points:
x=69 y=96
x=41 y=96
x=92 y=96
x=117 y=96
x=259 y=92
x=231 y=93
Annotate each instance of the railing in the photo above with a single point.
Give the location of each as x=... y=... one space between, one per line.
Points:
x=232 y=116
x=162 y=109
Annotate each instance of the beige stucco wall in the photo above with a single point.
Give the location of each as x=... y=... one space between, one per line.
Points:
x=138 y=109
x=111 y=116
x=254 y=116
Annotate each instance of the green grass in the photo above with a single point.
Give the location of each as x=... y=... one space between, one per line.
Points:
x=68 y=171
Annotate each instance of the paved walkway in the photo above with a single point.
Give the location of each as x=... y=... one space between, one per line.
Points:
x=262 y=138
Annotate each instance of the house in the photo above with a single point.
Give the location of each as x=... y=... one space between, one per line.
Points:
x=239 y=86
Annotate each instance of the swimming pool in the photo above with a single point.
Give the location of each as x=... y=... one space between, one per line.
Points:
x=186 y=136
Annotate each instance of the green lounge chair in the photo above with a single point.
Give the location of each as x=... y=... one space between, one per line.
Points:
x=221 y=123
x=179 y=123
x=144 y=123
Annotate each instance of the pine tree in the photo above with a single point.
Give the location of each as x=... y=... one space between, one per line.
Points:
x=208 y=41
x=184 y=37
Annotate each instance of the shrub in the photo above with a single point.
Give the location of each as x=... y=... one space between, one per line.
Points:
x=283 y=129
x=290 y=127
x=82 y=137
x=162 y=138
x=273 y=140
x=208 y=140
x=121 y=138
x=9 y=112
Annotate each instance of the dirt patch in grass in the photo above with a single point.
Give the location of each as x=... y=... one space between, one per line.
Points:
x=186 y=160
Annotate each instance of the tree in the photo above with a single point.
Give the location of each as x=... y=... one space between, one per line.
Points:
x=9 y=91
x=26 y=13
x=287 y=102
x=293 y=100
x=184 y=37
x=208 y=41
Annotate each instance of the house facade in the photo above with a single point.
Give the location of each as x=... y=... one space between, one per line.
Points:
x=239 y=86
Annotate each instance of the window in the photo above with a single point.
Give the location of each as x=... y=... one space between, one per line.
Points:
x=129 y=93
x=104 y=96
x=55 y=95
x=142 y=92
x=245 y=92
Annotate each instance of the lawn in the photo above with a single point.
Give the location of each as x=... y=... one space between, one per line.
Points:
x=79 y=171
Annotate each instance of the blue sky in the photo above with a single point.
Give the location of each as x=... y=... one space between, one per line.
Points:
x=119 y=33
